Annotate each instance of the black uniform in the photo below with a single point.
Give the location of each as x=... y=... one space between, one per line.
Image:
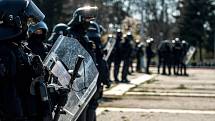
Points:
x=117 y=55
x=140 y=56
x=149 y=55
x=17 y=70
x=111 y=57
x=165 y=56
x=94 y=35
x=183 y=68
x=177 y=52
x=10 y=102
x=78 y=27
x=132 y=56
x=127 y=49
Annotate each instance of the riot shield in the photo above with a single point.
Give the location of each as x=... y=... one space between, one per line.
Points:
x=109 y=47
x=63 y=57
x=189 y=55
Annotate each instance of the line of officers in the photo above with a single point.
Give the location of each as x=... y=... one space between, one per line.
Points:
x=125 y=51
x=23 y=96
x=173 y=54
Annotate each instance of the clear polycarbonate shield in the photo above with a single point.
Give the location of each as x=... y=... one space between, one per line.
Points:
x=63 y=57
x=109 y=47
x=189 y=54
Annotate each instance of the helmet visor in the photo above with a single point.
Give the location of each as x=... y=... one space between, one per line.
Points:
x=34 y=13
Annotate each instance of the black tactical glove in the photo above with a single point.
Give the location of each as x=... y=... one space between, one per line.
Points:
x=62 y=96
x=105 y=52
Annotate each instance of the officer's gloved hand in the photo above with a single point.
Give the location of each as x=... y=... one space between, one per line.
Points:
x=62 y=96
x=58 y=94
x=105 y=52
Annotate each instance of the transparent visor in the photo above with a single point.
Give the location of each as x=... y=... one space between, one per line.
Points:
x=34 y=14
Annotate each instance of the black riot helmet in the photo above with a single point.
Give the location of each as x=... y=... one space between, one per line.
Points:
x=59 y=29
x=185 y=44
x=37 y=33
x=129 y=35
x=83 y=15
x=41 y=25
x=119 y=33
x=94 y=30
x=16 y=16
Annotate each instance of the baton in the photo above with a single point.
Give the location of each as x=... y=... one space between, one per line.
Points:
x=77 y=67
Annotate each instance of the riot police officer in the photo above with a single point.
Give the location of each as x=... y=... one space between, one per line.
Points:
x=164 y=56
x=110 y=59
x=183 y=68
x=116 y=54
x=177 y=52
x=149 y=54
x=133 y=54
x=16 y=72
x=59 y=29
x=94 y=34
x=127 y=48
x=78 y=27
x=37 y=36
x=140 y=56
